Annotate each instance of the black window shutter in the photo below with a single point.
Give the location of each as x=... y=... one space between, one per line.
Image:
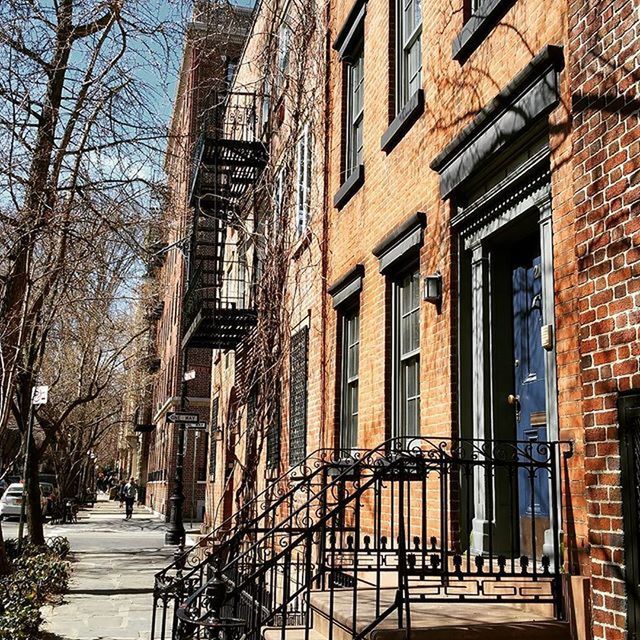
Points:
x=298 y=396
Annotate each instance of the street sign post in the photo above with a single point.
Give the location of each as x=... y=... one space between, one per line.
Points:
x=176 y=416
x=39 y=396
x=190 y=375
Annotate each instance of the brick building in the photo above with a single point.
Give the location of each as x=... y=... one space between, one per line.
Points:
x=457 y=382
x=212 y=45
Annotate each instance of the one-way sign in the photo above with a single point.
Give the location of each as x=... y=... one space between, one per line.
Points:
x=182 y=417
x=196 y=426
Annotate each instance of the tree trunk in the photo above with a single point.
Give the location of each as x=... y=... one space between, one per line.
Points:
x=34 y=509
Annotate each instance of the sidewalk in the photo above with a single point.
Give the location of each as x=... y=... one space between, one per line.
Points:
x=113 y=561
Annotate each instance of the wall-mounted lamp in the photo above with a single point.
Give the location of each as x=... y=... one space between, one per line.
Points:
x=433 y=288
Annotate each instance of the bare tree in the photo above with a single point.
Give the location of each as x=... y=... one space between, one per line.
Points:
x=80 y=143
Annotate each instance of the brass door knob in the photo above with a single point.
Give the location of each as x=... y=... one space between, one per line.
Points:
x=512 y=399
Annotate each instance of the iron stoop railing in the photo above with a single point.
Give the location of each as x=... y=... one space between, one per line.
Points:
x=193 y=567
x=371 y=537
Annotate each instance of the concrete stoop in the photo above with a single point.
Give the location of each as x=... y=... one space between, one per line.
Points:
x=429 y=621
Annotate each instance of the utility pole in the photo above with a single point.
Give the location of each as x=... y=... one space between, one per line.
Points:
x=175 y=533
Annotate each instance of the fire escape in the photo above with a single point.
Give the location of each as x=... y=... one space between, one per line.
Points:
x=229 y=158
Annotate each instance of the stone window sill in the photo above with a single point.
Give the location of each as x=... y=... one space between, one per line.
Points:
x=349 y=187
x=403 y=121
x=478 y=27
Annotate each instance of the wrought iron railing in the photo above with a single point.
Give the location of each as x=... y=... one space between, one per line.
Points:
x=415 y=520
x=220 y=284
x=193 y=567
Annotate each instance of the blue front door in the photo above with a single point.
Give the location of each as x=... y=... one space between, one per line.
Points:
x=529 y=397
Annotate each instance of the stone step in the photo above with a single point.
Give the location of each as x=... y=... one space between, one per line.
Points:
x=453 y=620
x=290 y=633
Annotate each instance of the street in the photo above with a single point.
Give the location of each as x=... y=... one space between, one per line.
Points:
x=113 y=563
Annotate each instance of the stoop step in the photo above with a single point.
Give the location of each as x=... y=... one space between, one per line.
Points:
x=290 y=633
x=434 y=621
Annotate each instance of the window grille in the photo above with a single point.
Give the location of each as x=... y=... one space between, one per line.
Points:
x=298 y=396
x=273 y=435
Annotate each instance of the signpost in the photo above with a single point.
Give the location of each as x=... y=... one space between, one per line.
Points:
x=39 y=396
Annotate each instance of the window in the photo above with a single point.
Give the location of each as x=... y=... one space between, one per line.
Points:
x=303 y=180
x=215 y=409
x=409 y=50
x=278 y=203
x=273 y=434
x=406 y=354
x=284 y=51
x=354 y=109
x=298 y=396
x=201 y=452
x=230 y=71
x=350 y=381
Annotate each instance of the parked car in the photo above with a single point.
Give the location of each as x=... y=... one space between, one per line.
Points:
x=11 y=500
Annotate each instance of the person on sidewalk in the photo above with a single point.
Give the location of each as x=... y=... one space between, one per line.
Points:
x=120 y=492
x=130 y=493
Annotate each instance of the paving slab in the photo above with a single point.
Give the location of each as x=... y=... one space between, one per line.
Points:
x=113 y=561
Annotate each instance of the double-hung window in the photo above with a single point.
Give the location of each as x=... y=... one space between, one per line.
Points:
x=278 y=203
x=284 y=51
x=406 y=352
x=350 y=381
x=303 y=180
x=354 y=68
x=409 y=50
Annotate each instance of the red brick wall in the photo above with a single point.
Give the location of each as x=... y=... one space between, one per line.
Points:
x=606 y=171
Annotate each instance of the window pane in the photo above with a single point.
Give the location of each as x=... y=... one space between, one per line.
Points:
x=350 y=363
x=354 y=111
x=407 y=360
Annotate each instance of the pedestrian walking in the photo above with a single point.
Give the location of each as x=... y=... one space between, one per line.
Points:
x=130 y=493
x=120 y=492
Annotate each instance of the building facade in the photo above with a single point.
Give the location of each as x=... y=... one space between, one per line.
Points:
x=422 y=228
x=212 y=45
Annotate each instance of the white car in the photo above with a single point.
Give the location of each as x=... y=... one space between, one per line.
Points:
x=11 y=501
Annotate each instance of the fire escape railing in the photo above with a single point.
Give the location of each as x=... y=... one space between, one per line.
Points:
x=390 y=529
x=229 y=157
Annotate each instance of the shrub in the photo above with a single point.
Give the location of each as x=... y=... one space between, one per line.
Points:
x=37 y=574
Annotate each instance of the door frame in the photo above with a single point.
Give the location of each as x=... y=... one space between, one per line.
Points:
x=523 y=194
